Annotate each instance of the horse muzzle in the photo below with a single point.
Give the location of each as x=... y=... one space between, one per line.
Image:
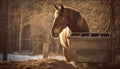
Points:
x=55 y=35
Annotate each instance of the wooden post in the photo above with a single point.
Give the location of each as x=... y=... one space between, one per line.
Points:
x=112 y=19
x=9 y=26
x=20 y=32
x=4 y=33
x=57 y=46
x=45 y=50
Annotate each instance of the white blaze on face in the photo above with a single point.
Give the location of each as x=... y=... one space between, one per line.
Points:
x=56 y=14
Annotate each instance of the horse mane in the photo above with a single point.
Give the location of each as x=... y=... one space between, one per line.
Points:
x=73 y=14
x=76 y=18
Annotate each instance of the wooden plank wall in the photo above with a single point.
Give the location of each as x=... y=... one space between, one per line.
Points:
x=117 y=26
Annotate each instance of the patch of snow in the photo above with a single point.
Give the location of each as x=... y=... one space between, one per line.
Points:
x=16 y=57
x=57 y=57
x=12 y=57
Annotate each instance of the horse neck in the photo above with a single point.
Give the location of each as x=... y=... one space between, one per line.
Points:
x=73 y=27
x=74 y=17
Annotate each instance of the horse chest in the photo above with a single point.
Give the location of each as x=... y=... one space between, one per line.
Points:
x=63 y=37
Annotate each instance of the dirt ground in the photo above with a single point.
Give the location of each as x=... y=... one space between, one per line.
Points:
x=53 y=64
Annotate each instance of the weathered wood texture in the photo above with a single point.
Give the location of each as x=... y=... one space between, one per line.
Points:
x=117 y=26
x=45 y=50
x=91 y=49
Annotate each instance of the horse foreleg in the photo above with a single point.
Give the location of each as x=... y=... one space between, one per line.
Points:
x=66 y=52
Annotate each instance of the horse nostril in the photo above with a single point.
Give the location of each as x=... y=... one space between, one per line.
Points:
x=55 y=34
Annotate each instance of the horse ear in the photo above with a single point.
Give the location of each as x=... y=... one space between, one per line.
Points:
x=56 y=6
x=62 y=7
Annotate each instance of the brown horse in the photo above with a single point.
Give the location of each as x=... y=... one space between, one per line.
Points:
x=66 y=21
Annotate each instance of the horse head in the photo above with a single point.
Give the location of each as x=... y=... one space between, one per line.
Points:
x=60 y=20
